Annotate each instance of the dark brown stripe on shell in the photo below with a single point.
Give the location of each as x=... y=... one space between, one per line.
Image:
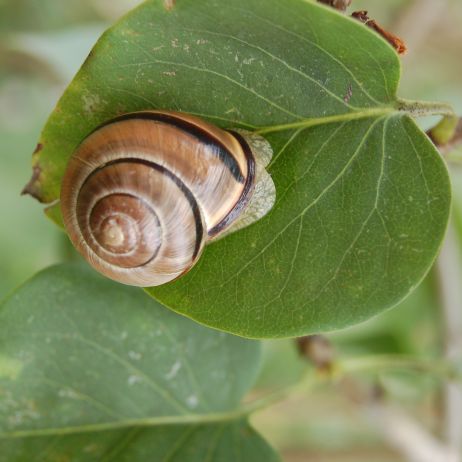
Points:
x=184 y=189
x=203 y=136
x=246 y=193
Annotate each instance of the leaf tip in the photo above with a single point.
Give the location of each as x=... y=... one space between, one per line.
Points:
x=32 y=188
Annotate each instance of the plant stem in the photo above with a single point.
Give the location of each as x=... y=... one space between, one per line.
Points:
x=412 y=108
x=310 y=379
x=378 y=363
x=425 y=108
x=439 y=368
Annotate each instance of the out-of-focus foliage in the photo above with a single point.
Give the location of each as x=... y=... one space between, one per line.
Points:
x=42 y=44
x=96 y=355
x=324 y=426
x=34 y=15
x=27 y=242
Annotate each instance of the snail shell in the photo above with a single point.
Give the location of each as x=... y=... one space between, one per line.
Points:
x=145 y=191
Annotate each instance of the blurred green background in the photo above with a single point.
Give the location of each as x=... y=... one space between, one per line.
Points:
x=42 y=44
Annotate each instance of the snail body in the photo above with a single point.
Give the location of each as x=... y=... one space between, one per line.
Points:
x=144 y=193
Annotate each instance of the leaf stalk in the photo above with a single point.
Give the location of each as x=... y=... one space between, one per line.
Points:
x=311 y=379
x=425 y=108
x=409 y=107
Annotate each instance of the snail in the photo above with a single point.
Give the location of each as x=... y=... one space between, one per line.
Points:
x=143 y=193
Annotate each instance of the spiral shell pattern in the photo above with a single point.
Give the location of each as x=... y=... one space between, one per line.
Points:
x=143 y=193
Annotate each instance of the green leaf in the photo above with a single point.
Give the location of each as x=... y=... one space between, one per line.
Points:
x=362 y=195
x=91 y=370
x=361 y=235
x=234 y=441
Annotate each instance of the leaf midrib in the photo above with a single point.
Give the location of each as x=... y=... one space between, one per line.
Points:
x=365 y=113
x=184 y=419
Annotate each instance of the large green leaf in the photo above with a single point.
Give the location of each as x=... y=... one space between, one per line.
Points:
x=362 y=194
x=91 y=370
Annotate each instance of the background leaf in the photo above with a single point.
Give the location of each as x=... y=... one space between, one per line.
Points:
x=92 y=370
x=362 y=202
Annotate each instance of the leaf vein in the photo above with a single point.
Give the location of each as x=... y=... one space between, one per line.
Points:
x=363 y=226
x=155 y=386
x=180 y=442
x=117 y=451
x=320 y=48
x=306 y=209
x=218 y=74
x=284 y=63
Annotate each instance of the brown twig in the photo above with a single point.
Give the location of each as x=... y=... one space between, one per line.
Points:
x=396 y=42
x=340 y=5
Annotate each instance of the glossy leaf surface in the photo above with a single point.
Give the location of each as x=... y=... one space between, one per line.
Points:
x=362 y=194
